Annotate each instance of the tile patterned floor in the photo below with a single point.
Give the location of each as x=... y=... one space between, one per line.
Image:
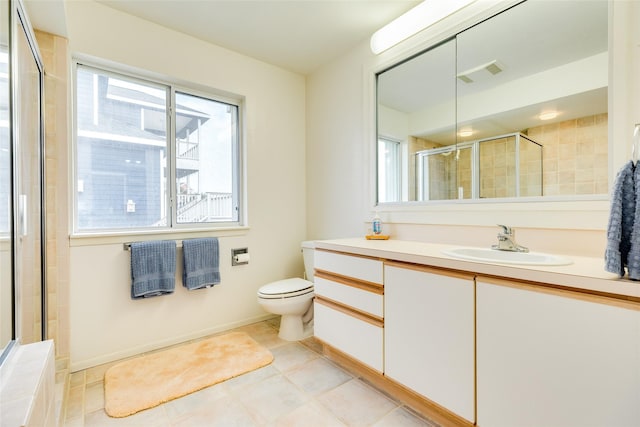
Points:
x=300 y=388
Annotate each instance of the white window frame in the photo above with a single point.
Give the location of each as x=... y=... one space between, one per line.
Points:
x=172 y=86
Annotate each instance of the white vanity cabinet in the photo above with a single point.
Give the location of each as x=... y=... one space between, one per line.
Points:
x=429 y=334
x=548 y=357
x=348 y=305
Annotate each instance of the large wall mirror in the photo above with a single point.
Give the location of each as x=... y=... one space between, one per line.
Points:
x=513 y=107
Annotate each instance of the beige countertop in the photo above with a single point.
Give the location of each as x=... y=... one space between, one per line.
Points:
x=583 y=274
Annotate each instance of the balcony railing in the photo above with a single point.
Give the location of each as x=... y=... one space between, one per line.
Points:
x=205 y=207
x=188 y=150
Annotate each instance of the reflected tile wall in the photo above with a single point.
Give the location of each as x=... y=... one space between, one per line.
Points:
x=575 y=155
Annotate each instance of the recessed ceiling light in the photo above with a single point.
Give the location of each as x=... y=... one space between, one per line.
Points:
x=548 y=115
x=465 y=133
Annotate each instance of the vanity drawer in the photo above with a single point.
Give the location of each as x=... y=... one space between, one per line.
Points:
x=350 y=293
x=360 y=339
x=361 y=268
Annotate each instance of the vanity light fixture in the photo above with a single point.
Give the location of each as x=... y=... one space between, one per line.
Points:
x=413 y=21
x=548 y=115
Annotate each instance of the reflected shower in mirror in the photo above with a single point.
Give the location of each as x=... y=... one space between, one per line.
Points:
x=502 y=166
x=537 y=71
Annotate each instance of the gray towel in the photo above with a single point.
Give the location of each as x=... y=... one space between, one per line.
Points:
x=153 y=268
x=201 y=263
x=633 y=259
x=622 y=222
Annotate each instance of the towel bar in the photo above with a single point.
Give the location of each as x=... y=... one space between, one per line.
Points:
x=127 y=245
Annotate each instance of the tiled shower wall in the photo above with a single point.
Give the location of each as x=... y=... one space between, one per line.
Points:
x=575 y=155
x=574 y=161
x=55 y=55
x=498 y=168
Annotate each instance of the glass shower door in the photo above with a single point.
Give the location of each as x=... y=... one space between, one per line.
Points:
x=437 y=174
x=446 y=173
x=6 y=189
x=28 y=183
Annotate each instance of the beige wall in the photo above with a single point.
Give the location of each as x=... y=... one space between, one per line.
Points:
x=105 y=323
x=337 y=169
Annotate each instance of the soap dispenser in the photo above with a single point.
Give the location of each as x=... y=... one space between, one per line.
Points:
x=377 y=224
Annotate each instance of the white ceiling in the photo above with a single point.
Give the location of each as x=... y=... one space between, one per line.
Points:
x=298 y=35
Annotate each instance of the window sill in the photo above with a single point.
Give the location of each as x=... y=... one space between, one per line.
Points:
x=92 y=239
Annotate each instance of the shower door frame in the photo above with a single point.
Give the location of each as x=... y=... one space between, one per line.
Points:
x=21 y=26
x=422 y=169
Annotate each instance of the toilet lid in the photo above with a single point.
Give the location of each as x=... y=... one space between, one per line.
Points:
x=286 y=287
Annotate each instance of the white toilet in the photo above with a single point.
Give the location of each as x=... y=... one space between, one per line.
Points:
x=293 y=299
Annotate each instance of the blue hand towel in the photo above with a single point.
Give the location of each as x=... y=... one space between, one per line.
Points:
x=153 y=268
x=201 y=263
x=633 y=258
x=622 y=220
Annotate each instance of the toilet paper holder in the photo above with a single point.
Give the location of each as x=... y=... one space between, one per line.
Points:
x=239 y=256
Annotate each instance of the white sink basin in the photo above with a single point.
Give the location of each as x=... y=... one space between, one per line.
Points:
x=507 y=257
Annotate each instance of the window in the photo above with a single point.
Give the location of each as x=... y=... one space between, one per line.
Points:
x=388 y=170
x=135 y=137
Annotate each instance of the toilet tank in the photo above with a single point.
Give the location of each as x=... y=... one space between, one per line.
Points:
x=307 y=254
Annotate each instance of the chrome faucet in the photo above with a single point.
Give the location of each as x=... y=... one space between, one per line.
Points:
x=507 y=241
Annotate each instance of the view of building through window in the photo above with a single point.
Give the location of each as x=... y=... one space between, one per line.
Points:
x=124 y=160
x=204 y=158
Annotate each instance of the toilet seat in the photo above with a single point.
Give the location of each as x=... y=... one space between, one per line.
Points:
x=287 y=288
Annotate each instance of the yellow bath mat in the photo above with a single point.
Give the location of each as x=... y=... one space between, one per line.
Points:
x=150 y=380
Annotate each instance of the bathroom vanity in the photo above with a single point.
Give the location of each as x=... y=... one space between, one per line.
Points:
x=476 y=343
x=349 y=305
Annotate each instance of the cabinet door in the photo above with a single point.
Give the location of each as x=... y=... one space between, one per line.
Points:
x=429 y=335
x=553 y=358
